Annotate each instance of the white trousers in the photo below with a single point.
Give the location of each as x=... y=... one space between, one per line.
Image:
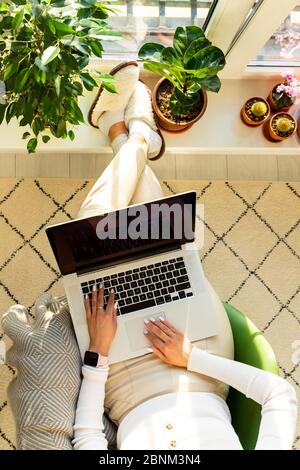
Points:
x=127 y=180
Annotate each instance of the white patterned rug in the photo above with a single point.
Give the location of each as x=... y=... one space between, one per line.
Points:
x=251 y=256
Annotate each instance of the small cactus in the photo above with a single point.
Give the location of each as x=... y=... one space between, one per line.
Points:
x=259 y=109
x=284 y=125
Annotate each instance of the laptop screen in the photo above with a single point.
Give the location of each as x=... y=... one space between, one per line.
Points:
x=139 y=230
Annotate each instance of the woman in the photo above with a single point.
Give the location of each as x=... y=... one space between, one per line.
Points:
x=173 y=397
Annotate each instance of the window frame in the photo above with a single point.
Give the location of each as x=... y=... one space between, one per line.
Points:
x=251 y=39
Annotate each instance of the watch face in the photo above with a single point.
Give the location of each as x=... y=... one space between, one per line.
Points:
x=91 y=358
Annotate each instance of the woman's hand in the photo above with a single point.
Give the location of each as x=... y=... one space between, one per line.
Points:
x=168 y=343
x=102 y=322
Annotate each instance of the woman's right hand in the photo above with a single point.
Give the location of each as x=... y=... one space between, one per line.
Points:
x=102 y=322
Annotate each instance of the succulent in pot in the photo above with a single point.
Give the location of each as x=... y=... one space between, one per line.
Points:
x=45 y=47
x=255 y=111
x=282 y=126
x=283 y=95
x=188 y=68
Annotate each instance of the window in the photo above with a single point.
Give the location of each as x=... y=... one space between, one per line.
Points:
x=283 y=47
x=141 y=21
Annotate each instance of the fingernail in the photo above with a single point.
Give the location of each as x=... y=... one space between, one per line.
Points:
x=112 y=291
x=161 y=318
x=145 y=332
x=116 y=304
x=146 y=321
x=101 y=285
x=86 y=297
x=150 y=349
x=94 y=287
x=152 y=319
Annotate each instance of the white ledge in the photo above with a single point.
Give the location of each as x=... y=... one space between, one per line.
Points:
x=220 y=130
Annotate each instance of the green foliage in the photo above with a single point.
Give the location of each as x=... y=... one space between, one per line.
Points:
x=191 y=64
x=282 y=99
x=45 y=46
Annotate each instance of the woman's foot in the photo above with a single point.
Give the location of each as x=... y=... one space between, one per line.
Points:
x=140 y=119
x=113 y=104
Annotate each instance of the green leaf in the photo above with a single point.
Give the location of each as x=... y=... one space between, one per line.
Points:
x=22 y=79
x=151 y=51
x=110 y=87
x=45 y=138
x=3 y=7
x=2 y=112
x=49 y=54
x=160 y=68
x=207 y=61
x=96 y=47
x=10 y=70
x=32 y=144
x=183 y=37
x=57 y=84
x=212 y=83
x=39 y=64
x=76 y=110
x=61 y=128
x=62 y=29
x=50 y=25
x=181 y=103
x=26 y=135
x=71 y=135
x=88 y=81
x=194 y=48
x=18 y=20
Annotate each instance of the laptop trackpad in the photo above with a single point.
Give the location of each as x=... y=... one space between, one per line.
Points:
x=135 y=331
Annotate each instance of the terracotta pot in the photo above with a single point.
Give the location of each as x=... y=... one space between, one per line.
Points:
x=168 y=124
x=272 y=103
x=273 y=134
x=247 y=119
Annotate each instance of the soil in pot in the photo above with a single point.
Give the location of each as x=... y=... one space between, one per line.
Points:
x=163 y=96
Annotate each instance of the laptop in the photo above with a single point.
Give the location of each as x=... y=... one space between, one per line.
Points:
x=147 y=254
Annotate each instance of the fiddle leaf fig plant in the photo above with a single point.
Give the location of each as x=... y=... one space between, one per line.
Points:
x=191 y=64
x=45 y=47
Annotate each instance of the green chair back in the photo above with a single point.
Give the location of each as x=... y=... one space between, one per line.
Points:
x=250 y=347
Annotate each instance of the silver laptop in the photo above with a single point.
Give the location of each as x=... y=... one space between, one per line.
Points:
x=147 y=254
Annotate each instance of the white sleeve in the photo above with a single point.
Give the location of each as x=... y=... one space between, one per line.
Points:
x=276 y=395
x=88 y=427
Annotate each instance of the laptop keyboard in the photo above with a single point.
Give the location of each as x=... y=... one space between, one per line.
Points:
x=147 y=286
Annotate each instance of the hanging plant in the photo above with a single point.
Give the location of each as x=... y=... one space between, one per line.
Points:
x=45 y=47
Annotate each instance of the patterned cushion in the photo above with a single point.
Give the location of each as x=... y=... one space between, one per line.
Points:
x=44 y=393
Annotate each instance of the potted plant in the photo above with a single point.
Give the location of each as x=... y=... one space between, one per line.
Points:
x=255 y=111
x=282 y=126
x=45 y=45
x=188 y=68
x=283 y=95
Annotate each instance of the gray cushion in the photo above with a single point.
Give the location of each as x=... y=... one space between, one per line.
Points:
x=44 y=393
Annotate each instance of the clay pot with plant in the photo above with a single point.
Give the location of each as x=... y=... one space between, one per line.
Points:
x=189 y=68
x=255 y=111
x=45 y=47
x=282 y=126
x=283 y=95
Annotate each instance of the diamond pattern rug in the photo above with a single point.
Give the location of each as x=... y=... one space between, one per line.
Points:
x=251 y=256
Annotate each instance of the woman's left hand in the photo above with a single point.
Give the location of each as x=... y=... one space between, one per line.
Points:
x=168 y=343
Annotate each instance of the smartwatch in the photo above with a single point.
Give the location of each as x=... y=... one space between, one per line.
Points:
x=95 y=359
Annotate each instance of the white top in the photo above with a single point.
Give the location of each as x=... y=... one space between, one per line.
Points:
x=190 y=420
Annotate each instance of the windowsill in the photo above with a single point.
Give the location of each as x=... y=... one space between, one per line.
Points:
x=220 y=130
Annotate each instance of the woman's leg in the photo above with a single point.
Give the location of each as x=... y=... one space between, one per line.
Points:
x=114 y=189
x=148 y=187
